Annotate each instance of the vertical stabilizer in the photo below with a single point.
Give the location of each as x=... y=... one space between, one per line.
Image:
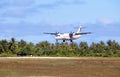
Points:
x=79 y=29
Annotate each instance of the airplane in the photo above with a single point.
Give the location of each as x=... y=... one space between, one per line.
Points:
x=69 y=36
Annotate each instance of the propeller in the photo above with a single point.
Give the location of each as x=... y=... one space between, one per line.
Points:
x=71 y=34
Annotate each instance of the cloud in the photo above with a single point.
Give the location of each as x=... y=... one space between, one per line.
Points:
x=34 y=31
x=16 y=8
x=105 y=21
x=108 y=25
x=17 y=12
x=22 y=9
x=15 y=3
x=23 y=18
x=103 y=32
x=58 y=3
x=22 y=29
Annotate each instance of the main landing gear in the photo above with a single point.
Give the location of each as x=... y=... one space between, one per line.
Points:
x=70 y=40
x=64 y=41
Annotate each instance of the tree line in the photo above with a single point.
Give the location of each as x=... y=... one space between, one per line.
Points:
x=111 y=48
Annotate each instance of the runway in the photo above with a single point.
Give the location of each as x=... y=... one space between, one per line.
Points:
x=69 y=58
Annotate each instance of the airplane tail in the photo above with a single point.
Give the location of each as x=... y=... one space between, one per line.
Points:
x=79 y=29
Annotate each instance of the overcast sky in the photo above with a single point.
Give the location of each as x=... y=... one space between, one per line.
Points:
x=28 y=19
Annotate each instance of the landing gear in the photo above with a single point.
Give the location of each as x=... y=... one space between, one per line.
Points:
x=63 y=40
x=71 y=40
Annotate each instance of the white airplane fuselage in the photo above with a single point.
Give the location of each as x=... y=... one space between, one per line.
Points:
x=66 y=36
x=69 y=36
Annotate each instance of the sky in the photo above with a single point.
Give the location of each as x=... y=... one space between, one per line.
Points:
x=29 y=19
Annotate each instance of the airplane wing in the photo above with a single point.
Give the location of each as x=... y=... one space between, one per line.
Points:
x=83 y=33
x=52 y=33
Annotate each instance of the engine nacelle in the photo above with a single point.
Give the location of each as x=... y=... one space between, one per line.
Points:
x=71 y=35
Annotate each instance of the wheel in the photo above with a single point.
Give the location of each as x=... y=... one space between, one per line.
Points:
x=71 y=40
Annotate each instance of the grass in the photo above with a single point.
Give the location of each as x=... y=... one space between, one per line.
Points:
x=60 y=67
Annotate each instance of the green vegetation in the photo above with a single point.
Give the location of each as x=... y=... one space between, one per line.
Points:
x=21 y=48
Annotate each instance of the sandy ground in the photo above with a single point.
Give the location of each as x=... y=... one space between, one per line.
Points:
x=59 y=67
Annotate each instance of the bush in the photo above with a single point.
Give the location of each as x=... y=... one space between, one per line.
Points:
x=7 y=55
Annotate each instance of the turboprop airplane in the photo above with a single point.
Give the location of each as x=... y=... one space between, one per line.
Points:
x=69 y=36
